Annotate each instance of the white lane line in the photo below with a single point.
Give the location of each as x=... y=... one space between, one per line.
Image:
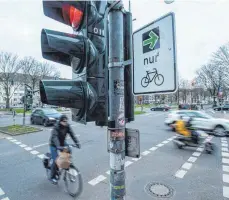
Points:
x=41 y=156
x=226 y=178
x=17 y=142
x=23 y=145
x=160 y=145
x=136 y=159
x=108 y=172
x=224 y=149
x=6 y=198
x=226 y=191
x=180 y=173
x=13 y=140
x=165 y=142
x=225 y=168
x=196 y=154
x=28 y=148
x=187 y=165
x=9 y=138
x=153 y=148
x=200 y=149
x=97 y=180
x=170 y=139
x=127 y=163
x=224 y=145
x=34 y=152
x=145 y=153
x=225 y=160
x=1 y=192
x=224 y=141
x=192 y=159
x=224 y=154
x=40 y=145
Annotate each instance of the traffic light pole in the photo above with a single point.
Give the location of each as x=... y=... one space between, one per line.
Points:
x=116 y=121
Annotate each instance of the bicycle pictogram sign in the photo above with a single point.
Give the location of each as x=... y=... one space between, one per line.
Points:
x=158 y=78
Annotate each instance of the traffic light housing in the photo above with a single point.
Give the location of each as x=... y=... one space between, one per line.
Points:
x=28 y=99
x=85 y=94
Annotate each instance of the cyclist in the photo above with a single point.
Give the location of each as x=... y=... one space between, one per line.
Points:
x=57 y=140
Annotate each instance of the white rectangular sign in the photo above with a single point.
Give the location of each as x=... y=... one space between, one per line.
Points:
x=154 y=57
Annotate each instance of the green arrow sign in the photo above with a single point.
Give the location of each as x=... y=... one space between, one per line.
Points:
x=151 y=41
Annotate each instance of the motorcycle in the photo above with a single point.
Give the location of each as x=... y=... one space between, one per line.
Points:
x=182 y=141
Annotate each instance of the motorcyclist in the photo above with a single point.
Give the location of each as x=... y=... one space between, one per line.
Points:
x=194 y=134
x=57 y=140
x=181 y=127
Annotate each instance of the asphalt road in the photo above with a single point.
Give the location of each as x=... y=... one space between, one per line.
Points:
x=191 y=174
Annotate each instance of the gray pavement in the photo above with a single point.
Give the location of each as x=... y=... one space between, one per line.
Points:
x=23 y=176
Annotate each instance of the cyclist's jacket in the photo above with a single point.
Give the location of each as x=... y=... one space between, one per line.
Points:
x=59 y=134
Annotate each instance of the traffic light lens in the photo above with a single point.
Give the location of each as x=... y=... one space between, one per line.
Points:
x=72 y=15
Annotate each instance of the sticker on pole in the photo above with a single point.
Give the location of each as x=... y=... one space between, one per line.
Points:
x=154 y=57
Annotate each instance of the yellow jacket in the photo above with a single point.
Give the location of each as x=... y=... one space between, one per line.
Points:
x=181 y=128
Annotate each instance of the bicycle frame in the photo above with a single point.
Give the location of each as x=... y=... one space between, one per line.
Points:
x=148 y=73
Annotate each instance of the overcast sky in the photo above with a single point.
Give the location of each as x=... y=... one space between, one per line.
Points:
x=201 y=27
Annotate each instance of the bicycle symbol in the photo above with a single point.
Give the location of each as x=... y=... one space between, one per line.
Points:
x=158 y=78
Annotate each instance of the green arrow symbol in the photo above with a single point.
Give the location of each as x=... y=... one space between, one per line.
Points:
x=151 y=41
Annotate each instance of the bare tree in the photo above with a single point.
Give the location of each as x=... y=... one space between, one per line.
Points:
x=48 y=70
x=9 y=81
x=184 y=90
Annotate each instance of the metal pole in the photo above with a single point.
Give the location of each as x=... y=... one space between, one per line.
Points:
x=116 y=124
x=129 y=6
x=24 y=106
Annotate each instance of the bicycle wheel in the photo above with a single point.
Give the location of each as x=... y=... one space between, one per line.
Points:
x=73 y=181
x=159 y=79
x=145 y=82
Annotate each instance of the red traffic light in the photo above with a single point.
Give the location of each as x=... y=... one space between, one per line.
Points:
x=72 y=15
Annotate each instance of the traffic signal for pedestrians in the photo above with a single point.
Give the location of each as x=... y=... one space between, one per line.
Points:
x=84 y=51
x=28 y=100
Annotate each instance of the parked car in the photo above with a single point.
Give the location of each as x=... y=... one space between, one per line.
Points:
x=160 y=108
x=188 y=107
x=201 y=120
x=44 y=116
x=224 y=107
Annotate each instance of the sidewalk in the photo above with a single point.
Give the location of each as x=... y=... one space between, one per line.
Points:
x=2 y=136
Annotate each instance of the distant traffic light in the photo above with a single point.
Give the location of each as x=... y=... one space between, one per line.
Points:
x=85 y=53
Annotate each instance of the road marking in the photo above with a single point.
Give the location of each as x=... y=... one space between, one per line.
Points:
x=145 y=153
x=160 y=145
x=41 y=156
x=187 y=165
x=192 y=159
x=34 y=152
x=225 y=160
x=6 y=198
x=165 y=142
x=1 y=192
x=108 y=172
x=17 y=142
x=127 y=163
x=170 y=139
x=13 y=140
x=153 y=148
x=226 y=178
x=224 y=149
x=226 y=191
x=97 y=180
x=9 y=138
x=40 y=145
x=180 y=173
x=225 y=168
x=136 y=159
x=28 y=148
x=23 y=145
x=224 y=145
x=200 y=149
x=196 y=154
x=224 y=141
x=224 y=154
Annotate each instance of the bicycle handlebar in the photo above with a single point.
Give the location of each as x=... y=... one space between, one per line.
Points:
x=66 y=147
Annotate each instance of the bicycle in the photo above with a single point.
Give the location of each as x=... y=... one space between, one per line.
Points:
x=158 y=78
x=72 y=173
